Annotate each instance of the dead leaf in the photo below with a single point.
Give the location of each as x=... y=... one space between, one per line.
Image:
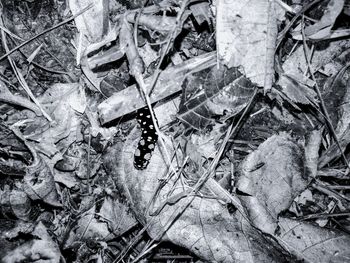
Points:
x=333 y=151
x=246 y=32
x=213 y=94
x=272 y=176
x=344 y=109
x=66 y=179
x=202 y=13
x=315 y=244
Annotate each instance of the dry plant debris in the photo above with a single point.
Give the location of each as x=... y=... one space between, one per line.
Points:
x=237 y=110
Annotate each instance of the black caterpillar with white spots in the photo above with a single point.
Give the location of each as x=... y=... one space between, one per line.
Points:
x=148 y=140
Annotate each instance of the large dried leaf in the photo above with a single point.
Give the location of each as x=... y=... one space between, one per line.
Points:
x=315 y=244
x=272 y=176
x=213 y=93
x=246 y=32
x=205 y=227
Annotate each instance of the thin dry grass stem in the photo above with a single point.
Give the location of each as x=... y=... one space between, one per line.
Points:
x=44 y=49
x=177 y=176
x=70 y=75
x=9 y=52
x=43 y=67
x=319 y=95
x=10 y=33
x=88 y=169
x=230 y=132
x=180 y=176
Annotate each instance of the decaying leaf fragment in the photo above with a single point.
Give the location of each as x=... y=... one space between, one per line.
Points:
x=246 y=32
